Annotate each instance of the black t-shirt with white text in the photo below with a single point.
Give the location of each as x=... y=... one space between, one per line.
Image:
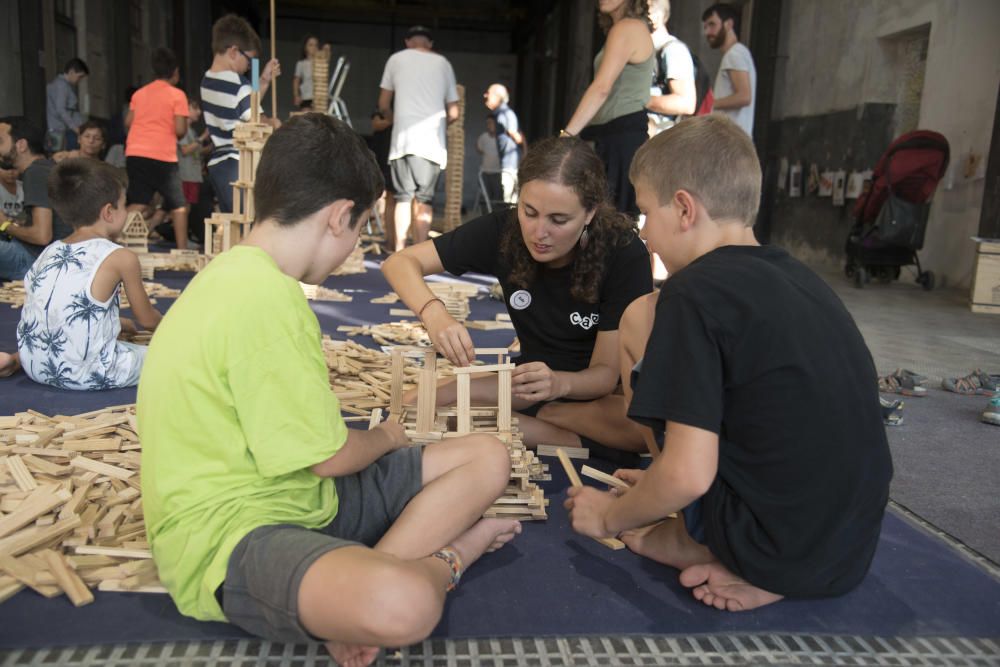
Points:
x=551 y=325
x=750 y=344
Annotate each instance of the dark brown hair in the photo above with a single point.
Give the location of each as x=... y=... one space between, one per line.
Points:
x=233 y=30
x=80 y=187
x=310 y=162
x=571 y=162
x=634 y=9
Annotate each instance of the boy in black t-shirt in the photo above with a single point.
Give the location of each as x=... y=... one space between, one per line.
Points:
x=775 y=455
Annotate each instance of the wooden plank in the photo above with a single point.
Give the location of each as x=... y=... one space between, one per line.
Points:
x=464 y=403
x=574 y=479
x=93 y=445
x=604 y=477
x=20 y=473
x=41 y=501
x=503 y=399
x=26 y=574
x=490 y=368
x=571 y=452
x=114 y=552
x=29 y=538
x=84 y=463
x=67 y=579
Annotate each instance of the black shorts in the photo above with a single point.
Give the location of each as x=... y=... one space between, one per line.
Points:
x=147 y=176
x=414 y=178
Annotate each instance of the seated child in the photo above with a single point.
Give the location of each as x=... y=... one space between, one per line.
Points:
x=68 y=333
x=775 y=454
x=262 y=507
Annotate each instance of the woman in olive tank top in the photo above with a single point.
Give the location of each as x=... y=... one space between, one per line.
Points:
x=612 y=111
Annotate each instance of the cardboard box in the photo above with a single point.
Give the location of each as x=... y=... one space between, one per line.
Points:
x=986 y=277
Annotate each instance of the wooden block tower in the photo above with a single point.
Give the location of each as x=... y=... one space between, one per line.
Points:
x=523 y=498
x=223 y=230
x=456 y=162
x=321 y=80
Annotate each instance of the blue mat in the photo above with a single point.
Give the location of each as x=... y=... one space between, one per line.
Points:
x=549 y=581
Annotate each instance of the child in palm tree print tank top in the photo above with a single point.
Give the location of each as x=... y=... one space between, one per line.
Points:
x=66 y=338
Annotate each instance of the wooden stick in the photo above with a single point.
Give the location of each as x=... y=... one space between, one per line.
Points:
x=571 y=452
x=67 y=579
x=117 y=553
x=574 y=479
x=274 y=87
x=604 y=477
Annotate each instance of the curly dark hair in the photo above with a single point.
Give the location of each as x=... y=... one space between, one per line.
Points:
x=634 y=9
x=571 y=162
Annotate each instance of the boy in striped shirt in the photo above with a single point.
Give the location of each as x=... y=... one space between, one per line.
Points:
x=225 y=98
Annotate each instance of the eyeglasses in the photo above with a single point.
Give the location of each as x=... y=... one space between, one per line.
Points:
x=244 y=54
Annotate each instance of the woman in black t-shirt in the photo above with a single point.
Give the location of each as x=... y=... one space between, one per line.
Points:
x=568 y=265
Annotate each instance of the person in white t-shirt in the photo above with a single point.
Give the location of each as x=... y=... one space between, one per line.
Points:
x=673 y=93
x=418 y=94
x=302 y=82
x=735 y=87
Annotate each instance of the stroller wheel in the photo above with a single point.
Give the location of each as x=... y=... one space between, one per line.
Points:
x=860 y=277
x=926 y=280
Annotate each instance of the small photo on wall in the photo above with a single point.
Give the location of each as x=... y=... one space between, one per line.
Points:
x=826 y=184
x=839 y=178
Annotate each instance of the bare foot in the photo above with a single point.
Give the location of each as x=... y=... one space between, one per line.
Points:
x=486 y=535
x=717 y=587
x=9 y=364
x=352 y=655
x=667 y=542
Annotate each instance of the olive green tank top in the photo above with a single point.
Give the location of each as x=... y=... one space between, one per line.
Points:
x=630 y=92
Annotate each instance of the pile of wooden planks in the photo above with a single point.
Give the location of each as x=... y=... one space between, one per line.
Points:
x=175 y=260
x=320 y=293
x=70 y=505
x=153 y=290
x=455 y=297
x=355 y=263
x=13 y=293
x=391 y=333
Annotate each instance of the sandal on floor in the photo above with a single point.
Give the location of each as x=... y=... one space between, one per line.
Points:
x=902 y=382
x=975 y=383
x=991 y=415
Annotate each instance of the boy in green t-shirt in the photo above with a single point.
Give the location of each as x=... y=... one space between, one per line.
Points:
x=262 y=507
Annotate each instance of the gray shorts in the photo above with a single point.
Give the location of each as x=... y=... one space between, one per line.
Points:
x=261 y=590
x=414 y=178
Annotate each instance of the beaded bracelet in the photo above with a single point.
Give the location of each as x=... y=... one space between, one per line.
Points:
x=424 y=307
x=454 y=561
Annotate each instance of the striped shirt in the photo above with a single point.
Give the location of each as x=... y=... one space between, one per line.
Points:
x=225 y=101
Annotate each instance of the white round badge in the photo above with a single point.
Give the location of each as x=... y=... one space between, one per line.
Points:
x=520 y=299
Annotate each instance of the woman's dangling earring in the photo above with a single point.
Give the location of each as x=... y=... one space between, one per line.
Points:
x=584 y=238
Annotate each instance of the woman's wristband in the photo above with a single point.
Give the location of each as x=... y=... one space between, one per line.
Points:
x=420 y=313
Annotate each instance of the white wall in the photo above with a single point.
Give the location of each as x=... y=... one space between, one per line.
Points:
x=837 y=56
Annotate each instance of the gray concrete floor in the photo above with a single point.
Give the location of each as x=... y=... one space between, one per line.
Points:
x=933 y=333
x=947 y=462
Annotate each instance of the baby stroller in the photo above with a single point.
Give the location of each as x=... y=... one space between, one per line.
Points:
x=890 y=218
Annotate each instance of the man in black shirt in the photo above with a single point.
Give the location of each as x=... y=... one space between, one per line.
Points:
x=21 y=147
x=775 y=453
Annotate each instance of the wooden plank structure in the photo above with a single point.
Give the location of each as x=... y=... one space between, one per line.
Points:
x=321 y=80
x=135 y=234
x=523 y=499
x=224 y=230
x=453 y=175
